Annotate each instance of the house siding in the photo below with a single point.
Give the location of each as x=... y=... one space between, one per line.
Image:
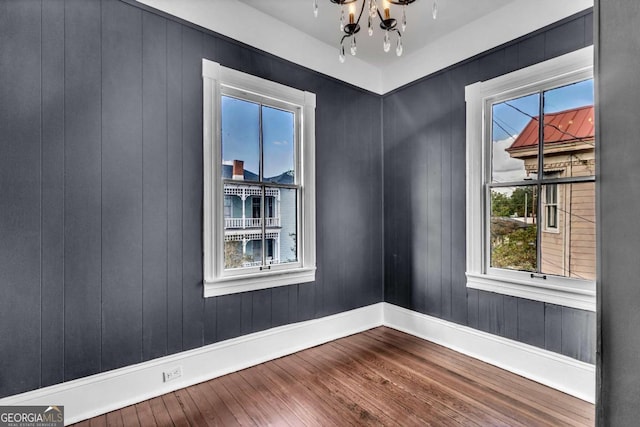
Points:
x=101 y=192
x=424 y=208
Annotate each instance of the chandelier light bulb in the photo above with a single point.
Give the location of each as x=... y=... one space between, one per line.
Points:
x=386 y=44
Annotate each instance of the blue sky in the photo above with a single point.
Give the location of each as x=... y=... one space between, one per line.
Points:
x=510 y=118
x=241 y=136
x=509 y=122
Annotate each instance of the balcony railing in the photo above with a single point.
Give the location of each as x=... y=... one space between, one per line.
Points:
x=250 y=222
x=259 y=263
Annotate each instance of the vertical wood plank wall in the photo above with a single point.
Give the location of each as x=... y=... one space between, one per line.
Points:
x=618 y=96
x=424 y=201
x=101 y=192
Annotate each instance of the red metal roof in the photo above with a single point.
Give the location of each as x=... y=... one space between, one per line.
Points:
x=572 y=125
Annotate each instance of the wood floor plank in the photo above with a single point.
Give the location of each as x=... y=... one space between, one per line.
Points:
x=246 y=398
x=114 y=419
x=378 y=377
x=266 y=393
x=99 y=421
x=230 y=401
x=504 y=402
x=518 y=385
x=301 y=389
x=427 y=390
x=427 y=403
x=345 y=391
x=436 y=384
x=387 y=402
x=130 y=416
x=298 y=403
x=211 y=405
x=191 y=410
x=178 y=417
x=160 y=413
x=521 y=391
x=348 y=410
x=145 y=413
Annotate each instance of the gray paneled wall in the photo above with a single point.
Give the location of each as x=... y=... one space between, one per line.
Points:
x=618 y=96
x=101 y=192
x=424 y=205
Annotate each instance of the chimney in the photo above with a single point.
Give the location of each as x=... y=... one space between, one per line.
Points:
x=238 y=170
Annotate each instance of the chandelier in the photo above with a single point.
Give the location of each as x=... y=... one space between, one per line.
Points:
x=351 y=26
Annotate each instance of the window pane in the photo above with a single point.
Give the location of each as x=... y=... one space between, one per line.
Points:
x=242 y=226
x=515 y=139
x=281 y=209
x=240 y=139
x=514 y=228
x=278 y=145
x=569 y=249
x=569 y=130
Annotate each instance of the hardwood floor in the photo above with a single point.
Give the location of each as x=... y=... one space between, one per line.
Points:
x=378 y=377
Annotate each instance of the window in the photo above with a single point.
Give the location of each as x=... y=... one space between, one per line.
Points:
x=531 y=183
x=259 y=183
x=551 y=207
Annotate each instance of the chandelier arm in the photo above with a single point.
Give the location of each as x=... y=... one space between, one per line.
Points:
x=380 y=15
x=364 y=2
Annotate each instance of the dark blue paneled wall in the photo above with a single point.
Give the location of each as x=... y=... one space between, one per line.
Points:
x=424 y=202
x=618 y=127
x=101 y=192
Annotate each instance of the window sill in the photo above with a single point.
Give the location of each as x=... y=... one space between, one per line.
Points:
x=254 y=282
x=584 y=299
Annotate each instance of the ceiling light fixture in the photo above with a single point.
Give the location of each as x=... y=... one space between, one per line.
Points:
x=387 y=23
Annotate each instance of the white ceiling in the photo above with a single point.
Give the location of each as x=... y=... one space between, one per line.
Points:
x=421 y=30
x=287 y=28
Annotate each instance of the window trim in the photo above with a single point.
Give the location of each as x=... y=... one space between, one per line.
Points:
x=216 y=282
x=565 y=69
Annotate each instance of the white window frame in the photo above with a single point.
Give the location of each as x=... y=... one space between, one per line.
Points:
x=480 y=96
x=217 y=280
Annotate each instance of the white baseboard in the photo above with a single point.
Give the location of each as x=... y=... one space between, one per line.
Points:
x=552 y=369
x=97 y=394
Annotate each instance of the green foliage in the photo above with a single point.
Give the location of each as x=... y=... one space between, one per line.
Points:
x=522 y=199
x=233 y=257
x=515 y=250
x=500 y=204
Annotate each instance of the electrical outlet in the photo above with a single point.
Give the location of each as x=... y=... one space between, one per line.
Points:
x=172 y=374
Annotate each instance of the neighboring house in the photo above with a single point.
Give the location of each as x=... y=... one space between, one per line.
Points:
x=243 y=225
x=568 y=244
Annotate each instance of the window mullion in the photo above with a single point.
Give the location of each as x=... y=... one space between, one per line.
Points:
x=539 y=186
x=263 y=219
